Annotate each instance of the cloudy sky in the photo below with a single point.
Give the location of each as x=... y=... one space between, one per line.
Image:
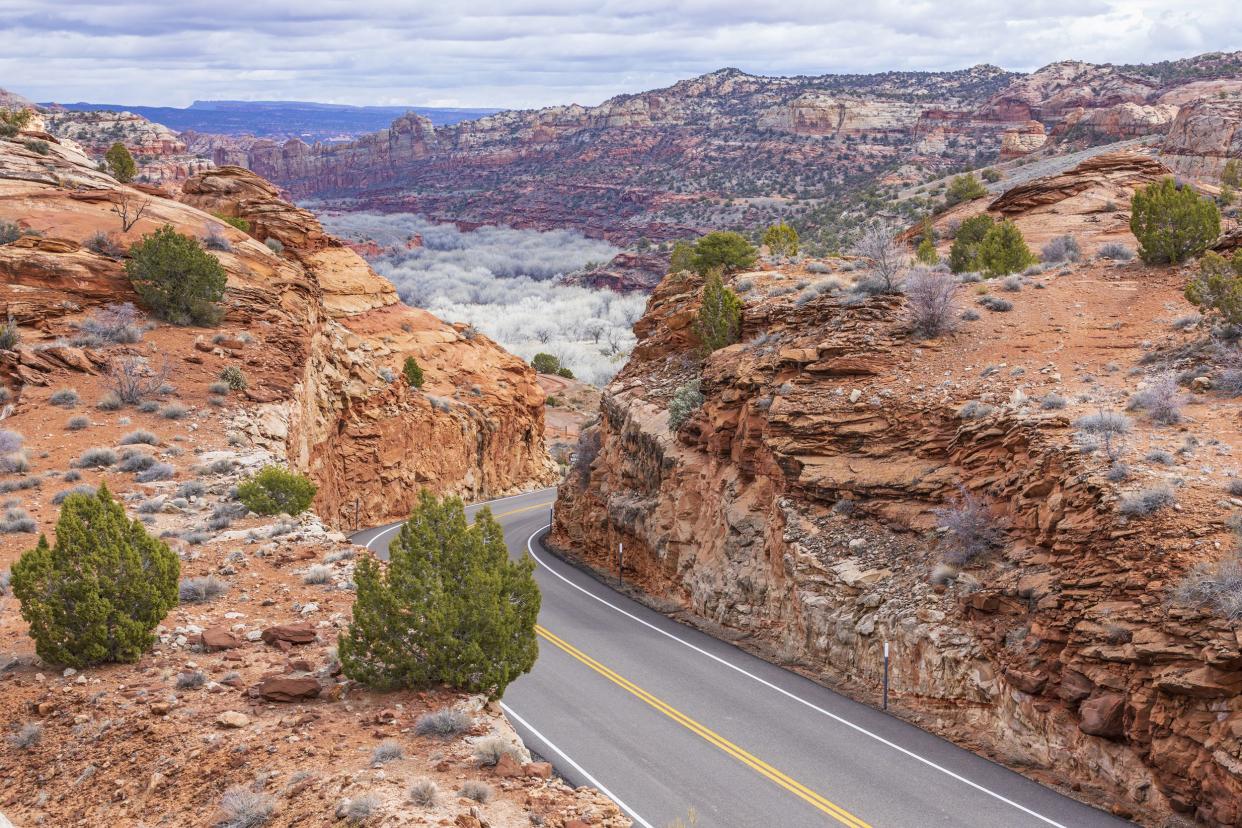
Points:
x=516 y=53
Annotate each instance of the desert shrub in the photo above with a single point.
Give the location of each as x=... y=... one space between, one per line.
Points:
x=484 y=637
x=1217 y=586
x=1061 y=249
x=62 y=496
x=233 y=377
x=16 y=521
x=887 y=257
x=274 y=491
x=11 y=443
x=120 y=163
x=140 y=437
x=991 y=175
x=996 y=304
x=974 y=409
x=275 y=245
x=135 y=462
x=931 y=302
x=684 y=402
x=236 y=222
x=1003 y=251
x=10 y=336
x=969 y=529
x=964 y=253
x=413 y=372
x=1117 y=472
x=26 y=736
x=98 y=594
x=424 y=792
x=1145 y=501
x=1104 y=429
x=970 y=315
x=1052 y=402
x=215 y=241
x=444 y=723
x=20 y=485
x=388 y=750
x=96 y=458
x=1172 y=223
x=719 y=321
x=964 y=188
x=132 y=380
x=160 y=471
x=174 y=411
x=201 y=589
x=724 y=250
x=1217 y=289
x=480 y=792
x=1186 y=322
x=781 y=239
x=110 y=402
x=358 y=809
x=489 y=752
x=192 y=680
x=118 y=323
x=1116 y=251
x=317 y=574
x=105 y=244
x=14 y=120
x=1011 y=284
x=176 y=278
x=1159 y=456
x=1161 y=400
x=244 y=808
x=191 y=488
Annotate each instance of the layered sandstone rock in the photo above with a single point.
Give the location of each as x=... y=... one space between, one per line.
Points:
x=1204 y=136
x=161 y=155
x=798 y=506
x=329 y=337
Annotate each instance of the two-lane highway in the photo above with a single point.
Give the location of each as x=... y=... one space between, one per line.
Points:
x=664 y=719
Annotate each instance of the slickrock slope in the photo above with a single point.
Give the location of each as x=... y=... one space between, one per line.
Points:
x=325 y=333
x=796 y=508
x=717 y=149
x=162 y=156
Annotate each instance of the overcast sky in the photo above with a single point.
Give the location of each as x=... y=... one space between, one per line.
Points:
x=517 y=53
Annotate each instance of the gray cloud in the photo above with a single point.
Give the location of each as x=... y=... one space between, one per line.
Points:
x=541 y=52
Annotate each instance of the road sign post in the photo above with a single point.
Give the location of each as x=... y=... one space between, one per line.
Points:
x=886 y=675
x=620 y=563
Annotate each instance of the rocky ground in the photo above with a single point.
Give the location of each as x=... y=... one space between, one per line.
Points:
x=797 y=508
x=242 y=690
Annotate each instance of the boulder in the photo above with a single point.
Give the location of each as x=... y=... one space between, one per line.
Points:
x=218 y=638
x=1103 y=715
x=288 y=688
x=284 y=635
x=232 y=719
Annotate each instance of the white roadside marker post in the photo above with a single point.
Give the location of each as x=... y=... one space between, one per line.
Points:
x=620 y=563
x=886 y=675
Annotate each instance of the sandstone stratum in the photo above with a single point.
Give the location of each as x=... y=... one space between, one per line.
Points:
x=731 y=149
x=798 y=509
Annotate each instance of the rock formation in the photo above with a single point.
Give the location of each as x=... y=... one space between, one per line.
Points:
x=162 y=156
x=798 y=506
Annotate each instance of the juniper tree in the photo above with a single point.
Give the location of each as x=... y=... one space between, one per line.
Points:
x=1004 y=251
x=964 y=254
x=450 y=607
x=720 y=315
x=723 y=249
x=1172 y=222
x=96 y=595
x=682 y=257
x=176 y=277
x=412 y=372
x=121 y=163
x=781 y=240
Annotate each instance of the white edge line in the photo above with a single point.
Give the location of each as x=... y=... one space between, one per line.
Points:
x=396 y=526
x=784 y=692
x=589 y=778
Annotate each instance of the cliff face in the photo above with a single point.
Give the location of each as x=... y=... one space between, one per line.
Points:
x=162 y=156
x=665 y=163
x=327 y=338
x=798 y=506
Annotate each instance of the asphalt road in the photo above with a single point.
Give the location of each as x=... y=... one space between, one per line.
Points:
x=665 y=719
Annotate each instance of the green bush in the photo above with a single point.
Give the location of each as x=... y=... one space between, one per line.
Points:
x=1004 y=251
x=233 y=377
x=120 y=163
x=450 y=607
x=685 y=401
x=1217 y=289
x=1232 y=174
x=412 y=372
x=179 y=280
x=964 y=188
x=234 y=221
x=13 y=121
x=545 y=363
x=781 y=240
x=723 y=249
x=991 y=175
x=99 y=593
x=682 y=257
x=276 y=491
x=1172 y=223
x=720 y=315
x=964 y=254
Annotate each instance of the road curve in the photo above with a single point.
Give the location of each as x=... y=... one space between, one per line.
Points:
x=665 y=719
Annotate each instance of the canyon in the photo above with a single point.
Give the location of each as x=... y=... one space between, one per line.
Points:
x=800 y=510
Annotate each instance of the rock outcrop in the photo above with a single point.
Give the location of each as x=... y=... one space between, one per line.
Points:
x=162 y=156
x=329 y=337
x=798 y=507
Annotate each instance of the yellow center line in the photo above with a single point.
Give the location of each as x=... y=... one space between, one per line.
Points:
x=763 y=768
x=524 y=509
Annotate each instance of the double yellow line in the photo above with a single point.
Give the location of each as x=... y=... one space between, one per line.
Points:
x=763 y=768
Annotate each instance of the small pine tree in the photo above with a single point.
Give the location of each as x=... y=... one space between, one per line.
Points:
x=1004 y=251
x=1172 y=223
x=781 y=240
x=179 y=280
x=1217 y=289
x=964 y=188
x=98 y=594
x=1232 y=174
x=412 y=372
x=121 y=163
x=545 y=363
x=276 y=491
x=720 y=315
x=682 y=257
x=964 y=254
x=450 y=607
x=724 y=249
